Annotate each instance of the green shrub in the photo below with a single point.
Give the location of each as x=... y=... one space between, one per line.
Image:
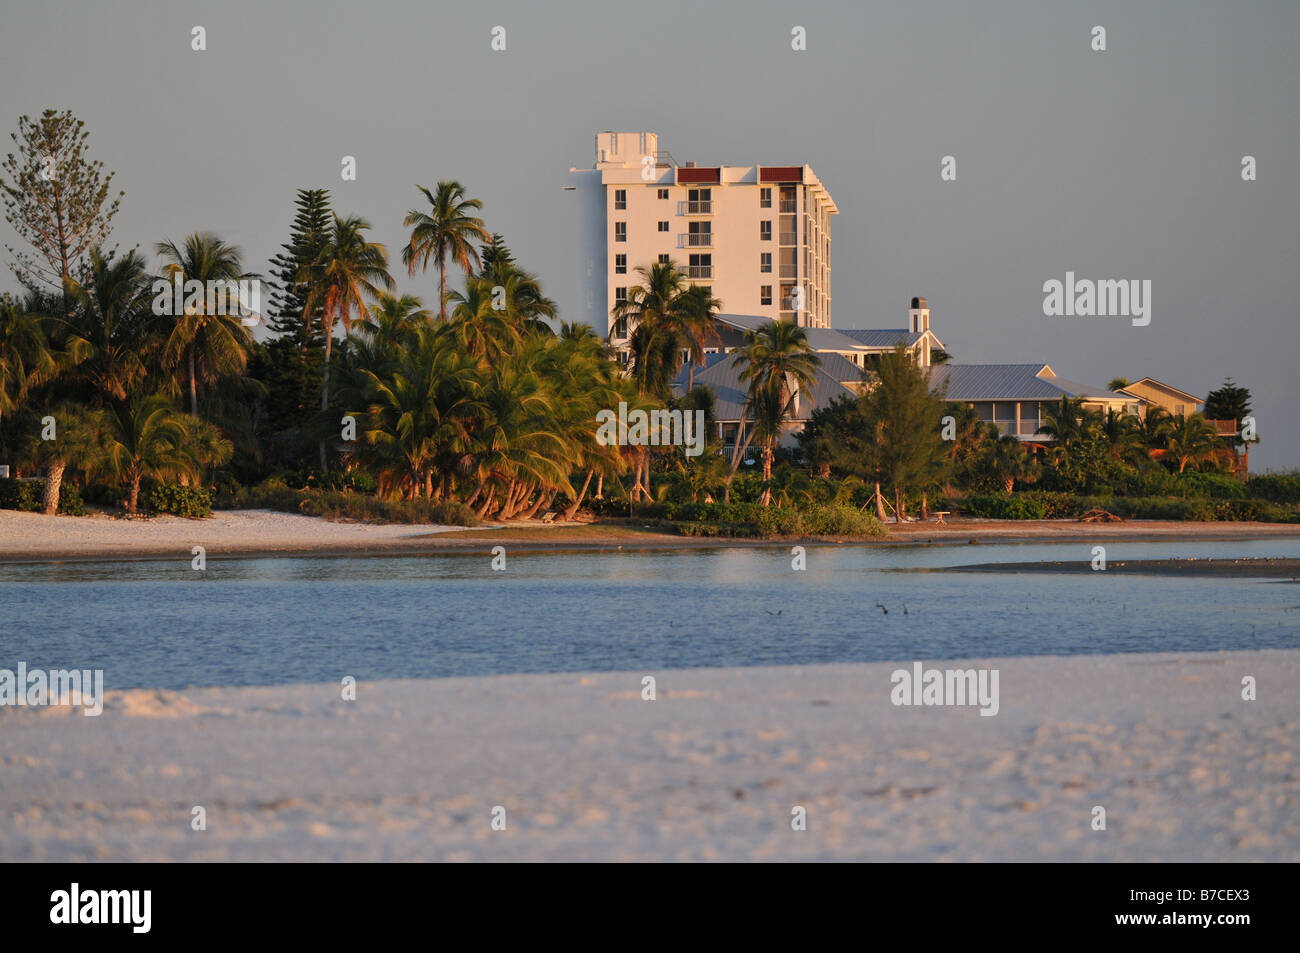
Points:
x=191 y=502
x=1004 y=507
x=752 y=519
x=1216 y=486
x=29 y=496
x=1275 y=487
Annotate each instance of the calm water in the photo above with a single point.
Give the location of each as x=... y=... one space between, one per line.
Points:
x=268 y=621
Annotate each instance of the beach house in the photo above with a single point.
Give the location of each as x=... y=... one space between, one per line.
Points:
x=1014 y=397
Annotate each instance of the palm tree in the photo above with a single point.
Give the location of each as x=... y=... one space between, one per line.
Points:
x=1122 y=436
x=697 y=313
x=518 y=451
x=777 y=362
x=1118 y=383
x=1154 y=428
x=1007 y=460
x=652 y=311
x=212 y=346
x=524 y=301
x=26 y=357
x=392 y=316
x=586 y=381
x=445 y=232
x=1067 y=423
x=485 y=331
x=78 y=442
x=112 y=301
x=1193 y=441
x=420 y=411
x=767 y=408
x=348 y=271
x=149 y=437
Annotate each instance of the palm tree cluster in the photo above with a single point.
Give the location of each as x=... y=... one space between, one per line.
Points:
x=91 y=380
x=1080 y=436
x=481 y=402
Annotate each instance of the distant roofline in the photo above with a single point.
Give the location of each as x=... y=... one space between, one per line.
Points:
x=1168 y=387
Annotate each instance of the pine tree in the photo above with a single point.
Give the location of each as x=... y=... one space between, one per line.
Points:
x=291 y=364
x=1229 y=402
x=910 y=451
x=56 y=199
x=288 y=294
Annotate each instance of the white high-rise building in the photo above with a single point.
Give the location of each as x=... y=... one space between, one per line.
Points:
x=758 y=236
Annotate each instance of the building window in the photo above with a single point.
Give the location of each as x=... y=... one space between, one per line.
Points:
x=699 y=201
x=700 y=235
x=701 y=266
x=620 y=264
x=765 y=262
x=663 y=226
x=765 y=294
x=620 y=294
x=665 y=259
x=764 y=198
x=620 y=198
x=663 y=193
x=620 y=231
x=765 y=231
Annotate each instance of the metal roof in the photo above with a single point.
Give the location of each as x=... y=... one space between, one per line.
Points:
x=729 y=393
x=819 y=339
x=882 y=337
x=970 y=382
x=840 y=367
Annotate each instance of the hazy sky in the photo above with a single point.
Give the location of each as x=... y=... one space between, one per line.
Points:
x=1119 y=164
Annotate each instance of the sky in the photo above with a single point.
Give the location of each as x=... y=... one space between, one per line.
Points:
x=1115 y=164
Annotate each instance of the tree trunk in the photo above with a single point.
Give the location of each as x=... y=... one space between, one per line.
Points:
x=442 y=292
x=325 y=389
x=925 y=507
x=194 y=387
x=1010 y=484
x=133 y=500
x=600 y=487
x=543 y=502
x=880 y=504
x=53 y=484
x=572 y=508
x=475 y=495
x=487 y=504
x=898 y=503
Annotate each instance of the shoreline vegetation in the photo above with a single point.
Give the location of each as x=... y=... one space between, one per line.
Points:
x=479 y=403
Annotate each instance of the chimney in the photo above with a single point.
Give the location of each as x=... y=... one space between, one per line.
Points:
x=919 y=316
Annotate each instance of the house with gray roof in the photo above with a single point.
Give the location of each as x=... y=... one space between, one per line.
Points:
x=1014 y=397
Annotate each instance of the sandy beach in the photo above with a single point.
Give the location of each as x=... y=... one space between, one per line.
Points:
x=33 y=536
x=711 y=770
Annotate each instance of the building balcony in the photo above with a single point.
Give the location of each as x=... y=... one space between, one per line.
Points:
x=789 y=238
x=699 y=271
x=789 y=271
x=789 y=205
x=695 y=240
x=695 y=208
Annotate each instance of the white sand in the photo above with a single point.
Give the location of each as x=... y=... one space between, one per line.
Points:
x=35 y=535
x=1185 y=769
